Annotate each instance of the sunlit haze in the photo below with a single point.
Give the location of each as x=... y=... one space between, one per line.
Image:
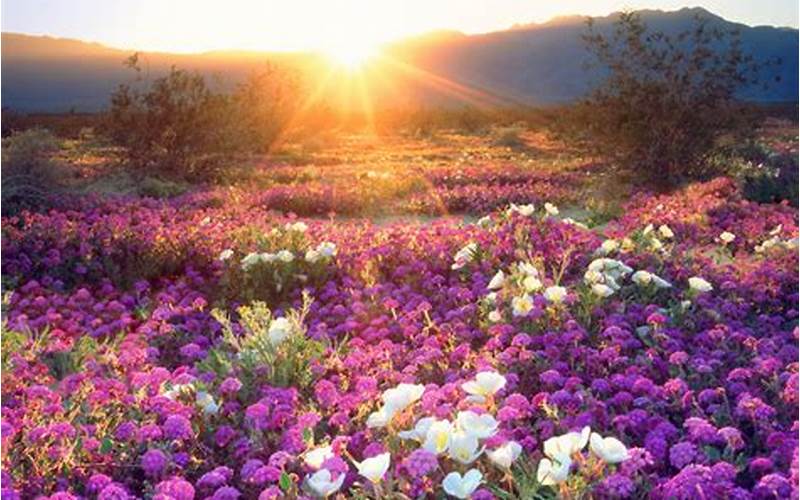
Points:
x=348 y=30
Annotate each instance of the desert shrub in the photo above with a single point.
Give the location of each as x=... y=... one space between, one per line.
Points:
x=29 y=172
x=508 y=137
x=176 y=127
x=161 y=188
x=265 y=103
x=765 y=175
x=666 y=99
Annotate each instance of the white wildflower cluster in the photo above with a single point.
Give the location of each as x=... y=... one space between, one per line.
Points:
x=775 y=241
x=202 y=399
x=458 y=440
x=605 y=276
x=253 y=258
x=324 y=251
x=523 y=210
x=522 y=280
x=561 y=451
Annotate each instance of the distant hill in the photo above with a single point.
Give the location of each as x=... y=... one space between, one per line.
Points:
x=529 y=63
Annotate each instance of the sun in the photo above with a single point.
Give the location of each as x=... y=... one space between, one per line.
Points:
x=349 y=54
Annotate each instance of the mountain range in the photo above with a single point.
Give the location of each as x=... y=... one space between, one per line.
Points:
x=533 y=64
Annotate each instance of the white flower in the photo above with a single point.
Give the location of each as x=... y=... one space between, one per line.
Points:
x=656 y=244
x=610 y=449
x=524 y=210
x=608 y=247
x=484 y=221
x=225 y=254
x=527 y=269
x=462 y=486
x=312 y=256
x=463 y=447
x=647 y=230
x=285 y=256
x=495 y=316
x=250 y=260
x=661 y=282
x=699 y=285
x=480 y=426
x=437 y=439
x=567 y=445
x=322 y=484
x=776 y=230
x=491 y=297
x=611 y=267
x=279 y=329
x=521 y=306
x=177 y=390
x=666 y=232
x=497 y=281
x=327 y=249
x=766 y=245
x=485 y=384
x=531 y=283
x=727 y=237
x=374 y=468
x=401 y=397
x=300 y=227
x=573 y=222
x=551 y=209
x=550 y=473
x=420 y=430
x=267 y=257
x=380 y=418
x=592 y=276
x=642 y=278
x=602 y=290
x=317 y=456
x=463 y=256
x=505 y=455
x=555 y=294
x=205 y=401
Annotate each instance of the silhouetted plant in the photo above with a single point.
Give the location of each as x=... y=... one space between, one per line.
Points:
x=177 y=127
x=666 y=99
x=265 y=103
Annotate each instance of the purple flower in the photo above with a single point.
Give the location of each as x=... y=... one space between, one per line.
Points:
x=226 y=493
x=154 y=462
x=420 y=463
x=175 y=488
x=682 y=454
x=178 y=427
x=616 y=486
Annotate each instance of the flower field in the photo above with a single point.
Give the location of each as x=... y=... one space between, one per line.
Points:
x=217 y=346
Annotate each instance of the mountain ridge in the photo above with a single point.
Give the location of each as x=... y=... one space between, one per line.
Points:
x=533 y=63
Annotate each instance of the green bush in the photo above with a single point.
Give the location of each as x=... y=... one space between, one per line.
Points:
x=160 y=188
x=508 y=137
x=29 y=171
x=666 y=100
x=177 y=127
x=265 y=348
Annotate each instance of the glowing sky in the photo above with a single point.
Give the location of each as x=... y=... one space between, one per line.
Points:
x=198 y=25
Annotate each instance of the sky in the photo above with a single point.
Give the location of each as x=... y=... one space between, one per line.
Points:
x=286 y=25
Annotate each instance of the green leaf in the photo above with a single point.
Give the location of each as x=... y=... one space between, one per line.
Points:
x=285 y=482
x=106 y=445
x=308 y=436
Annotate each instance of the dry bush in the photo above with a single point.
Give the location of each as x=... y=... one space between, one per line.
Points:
x=29 y=172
